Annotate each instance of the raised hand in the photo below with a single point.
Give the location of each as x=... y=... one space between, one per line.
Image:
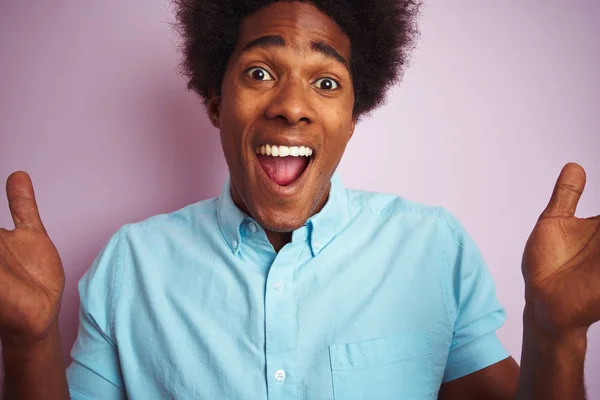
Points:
x=561 y=262
x=31 y=272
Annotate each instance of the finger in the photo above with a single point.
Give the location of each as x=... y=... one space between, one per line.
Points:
x=567 y=191
x=21 y=201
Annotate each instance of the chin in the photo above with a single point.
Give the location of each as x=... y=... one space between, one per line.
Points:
x=281 y=221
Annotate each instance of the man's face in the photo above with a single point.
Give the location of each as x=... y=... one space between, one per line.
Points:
x=286 y=84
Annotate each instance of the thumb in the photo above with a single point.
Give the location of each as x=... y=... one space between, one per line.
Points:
x=567 y=191
x=21 y=201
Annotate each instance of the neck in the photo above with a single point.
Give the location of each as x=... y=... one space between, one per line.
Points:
x=278 y=239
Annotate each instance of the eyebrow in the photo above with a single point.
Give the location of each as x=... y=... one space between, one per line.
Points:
x=278 y=41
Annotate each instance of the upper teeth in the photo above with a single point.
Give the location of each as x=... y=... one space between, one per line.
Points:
x=284 y=151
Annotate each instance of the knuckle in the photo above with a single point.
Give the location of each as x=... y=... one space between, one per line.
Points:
x=569 y=187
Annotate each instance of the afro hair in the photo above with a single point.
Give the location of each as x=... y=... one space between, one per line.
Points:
x=382 y=35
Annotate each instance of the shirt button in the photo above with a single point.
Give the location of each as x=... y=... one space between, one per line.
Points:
x=252 y=227
x=278 y=286
x=280 y=375
x=234 y=244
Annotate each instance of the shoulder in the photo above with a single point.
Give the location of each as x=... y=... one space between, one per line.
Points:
x=399 y=211
x=387 y=204
x=195 y=216
x=392 y=205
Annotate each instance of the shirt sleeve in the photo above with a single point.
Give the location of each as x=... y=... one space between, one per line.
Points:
x=95 y=372
x=474 y=307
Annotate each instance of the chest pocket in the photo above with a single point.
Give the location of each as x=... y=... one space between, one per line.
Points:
x=393 y=367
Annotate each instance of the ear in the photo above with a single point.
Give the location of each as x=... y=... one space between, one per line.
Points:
x=214 y=107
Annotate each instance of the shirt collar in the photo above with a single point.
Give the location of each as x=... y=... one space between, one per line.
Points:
x=319 y=230
x=230 y=217
x=332 y=218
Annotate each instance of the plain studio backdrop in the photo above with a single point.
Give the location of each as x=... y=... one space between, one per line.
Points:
x=499 y=95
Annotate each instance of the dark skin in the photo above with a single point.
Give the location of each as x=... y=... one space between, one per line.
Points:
x=290 y=109
x=290 y=106
x=561 y=261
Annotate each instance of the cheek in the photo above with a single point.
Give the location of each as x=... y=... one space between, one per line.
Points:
x=236 y=113
x=240 y=112
x=242 y=99
x=340 y=126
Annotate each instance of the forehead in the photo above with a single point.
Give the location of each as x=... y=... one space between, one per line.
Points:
x=298 y=23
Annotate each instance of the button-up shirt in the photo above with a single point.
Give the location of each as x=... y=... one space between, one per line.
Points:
x=375 y=297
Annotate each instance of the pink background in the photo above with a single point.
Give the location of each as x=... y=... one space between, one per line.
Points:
x=499 y=96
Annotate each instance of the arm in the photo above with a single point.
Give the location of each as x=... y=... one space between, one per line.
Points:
x=95 y=370
x=35 y=371
x=496 y=382
x=551 y=367
x=561 y=269
x=478 y=366
x=31 y=286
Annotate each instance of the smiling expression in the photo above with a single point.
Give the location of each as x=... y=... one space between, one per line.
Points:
x=287 y=83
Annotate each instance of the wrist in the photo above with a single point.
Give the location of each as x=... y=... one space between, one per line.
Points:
x=35 y=369
x=571 y=340
x=23 y=345
x=552 y=360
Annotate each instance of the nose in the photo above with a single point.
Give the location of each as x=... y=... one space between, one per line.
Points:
x=291 y=104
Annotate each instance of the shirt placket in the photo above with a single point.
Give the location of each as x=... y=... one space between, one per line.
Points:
x=281 y=330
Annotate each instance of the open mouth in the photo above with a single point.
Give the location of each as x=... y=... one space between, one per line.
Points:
x=283 y=164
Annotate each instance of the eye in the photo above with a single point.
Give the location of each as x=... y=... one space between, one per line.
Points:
x=327 y=84
x=259 y=74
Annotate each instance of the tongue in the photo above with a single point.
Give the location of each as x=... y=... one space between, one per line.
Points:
x=283 y=170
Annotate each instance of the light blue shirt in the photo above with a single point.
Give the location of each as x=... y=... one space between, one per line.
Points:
x=376 y=297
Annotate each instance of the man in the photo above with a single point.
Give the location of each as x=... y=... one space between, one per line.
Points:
x=288 y=285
